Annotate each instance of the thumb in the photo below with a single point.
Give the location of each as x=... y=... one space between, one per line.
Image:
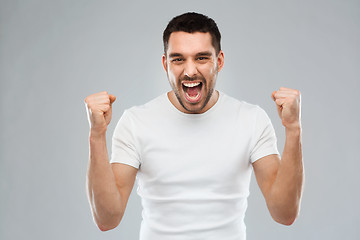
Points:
x=108 y=113
x=112 y=98
x=277 y=103
x=273 y=95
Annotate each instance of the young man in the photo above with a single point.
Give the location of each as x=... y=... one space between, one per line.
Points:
x=193 y=149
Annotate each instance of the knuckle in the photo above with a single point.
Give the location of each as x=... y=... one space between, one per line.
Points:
x=88 y=98
x=91 y=106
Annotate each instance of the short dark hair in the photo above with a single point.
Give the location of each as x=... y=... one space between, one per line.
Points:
x=192 y=22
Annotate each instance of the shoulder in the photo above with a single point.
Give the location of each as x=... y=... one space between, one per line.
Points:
x=145 y=111
x=244 y=112
x=240 y=106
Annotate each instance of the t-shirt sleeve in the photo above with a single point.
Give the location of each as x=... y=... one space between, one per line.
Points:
x=264 y=138
x=123 y=143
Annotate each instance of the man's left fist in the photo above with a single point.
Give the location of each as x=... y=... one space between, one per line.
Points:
x=288 y=103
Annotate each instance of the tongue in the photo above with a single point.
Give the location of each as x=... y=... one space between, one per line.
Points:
x=193 y=91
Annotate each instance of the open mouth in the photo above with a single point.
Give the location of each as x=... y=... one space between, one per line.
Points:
x=192 y=91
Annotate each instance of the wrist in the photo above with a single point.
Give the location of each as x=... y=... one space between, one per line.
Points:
x=293 y=131
x=97 y=134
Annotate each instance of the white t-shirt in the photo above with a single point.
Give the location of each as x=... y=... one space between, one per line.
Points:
x=193 y=169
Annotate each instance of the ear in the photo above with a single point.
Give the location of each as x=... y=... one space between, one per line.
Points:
x=164 y=62
x=220 y=60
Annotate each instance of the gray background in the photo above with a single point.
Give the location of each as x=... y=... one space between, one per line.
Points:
x=55 y=53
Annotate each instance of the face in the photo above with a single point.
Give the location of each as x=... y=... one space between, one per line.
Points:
x=192 y=65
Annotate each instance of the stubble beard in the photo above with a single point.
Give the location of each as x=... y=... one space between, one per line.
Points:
x=208 y=96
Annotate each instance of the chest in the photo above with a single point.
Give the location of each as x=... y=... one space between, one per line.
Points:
x=194 y=156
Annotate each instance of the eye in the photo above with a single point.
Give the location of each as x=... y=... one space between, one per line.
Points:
x=202 y=59
x=177 y=60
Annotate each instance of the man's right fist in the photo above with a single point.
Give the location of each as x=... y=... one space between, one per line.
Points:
x=98 y=107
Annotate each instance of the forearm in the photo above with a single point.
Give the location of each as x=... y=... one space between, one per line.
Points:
x=104 y=197
x=286 y=191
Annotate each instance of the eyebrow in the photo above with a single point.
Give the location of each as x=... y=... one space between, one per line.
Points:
x=206 y=53
x=172 y=55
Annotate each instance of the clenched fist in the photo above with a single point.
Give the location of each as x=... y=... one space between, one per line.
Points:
x=99 y=111
x=288 y=102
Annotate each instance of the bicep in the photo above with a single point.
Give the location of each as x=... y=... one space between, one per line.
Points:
x=265 y=170
x=125 y=176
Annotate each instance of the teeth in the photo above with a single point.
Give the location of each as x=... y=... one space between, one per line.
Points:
x=191 y=84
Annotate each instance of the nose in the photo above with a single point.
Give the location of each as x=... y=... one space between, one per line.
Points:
x=190 y=69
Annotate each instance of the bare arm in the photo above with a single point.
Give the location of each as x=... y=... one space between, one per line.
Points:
x=281 y=182
x=108 y=187
x=104 y=197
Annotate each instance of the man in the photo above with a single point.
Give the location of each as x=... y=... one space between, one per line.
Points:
x=193 y=148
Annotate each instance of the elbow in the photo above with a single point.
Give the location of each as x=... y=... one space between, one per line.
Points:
x=285 y=214
x=106 y=228
x=109 y=224
x=286 y=219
